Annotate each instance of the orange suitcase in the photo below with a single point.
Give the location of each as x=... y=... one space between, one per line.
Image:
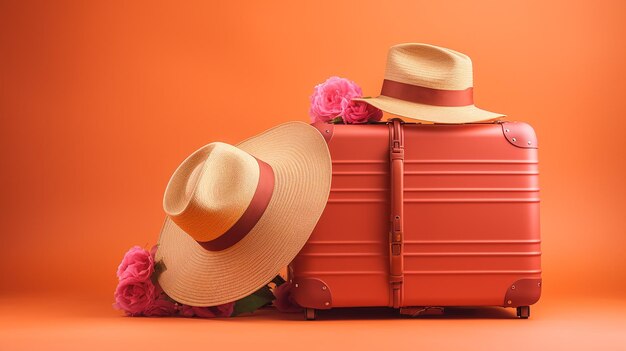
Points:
x=423 y=216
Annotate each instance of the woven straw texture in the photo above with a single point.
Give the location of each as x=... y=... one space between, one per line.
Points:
x=432 y=67
x=210 y=190
x=301 y=162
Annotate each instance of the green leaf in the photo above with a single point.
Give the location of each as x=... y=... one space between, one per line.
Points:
x=253 y=302
x=265 y=292
x=337 y=120
x=159 y=267
x=278 y=280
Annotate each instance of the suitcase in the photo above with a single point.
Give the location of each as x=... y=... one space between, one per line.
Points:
x=423 y=216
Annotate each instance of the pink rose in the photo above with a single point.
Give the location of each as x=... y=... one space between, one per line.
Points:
x=134 y=296
x=224 y=310
x=161 y=307
x=284 y=301
x=137 y=264
x=330 y=99
x=361 y=112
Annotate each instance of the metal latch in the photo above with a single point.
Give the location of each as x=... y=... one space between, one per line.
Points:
x=396 y=249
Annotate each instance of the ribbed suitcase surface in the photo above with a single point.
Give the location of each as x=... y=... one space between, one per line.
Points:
x=471 y=219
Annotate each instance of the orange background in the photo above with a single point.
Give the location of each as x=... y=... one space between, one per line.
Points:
x=100 y=101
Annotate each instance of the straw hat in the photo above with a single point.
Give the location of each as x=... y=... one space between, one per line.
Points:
x=237 y=214
x=429 y=83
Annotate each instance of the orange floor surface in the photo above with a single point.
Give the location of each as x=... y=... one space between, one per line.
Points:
x=30 y=323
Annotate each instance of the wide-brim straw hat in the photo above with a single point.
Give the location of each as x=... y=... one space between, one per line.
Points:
x=429 y=83
x=238 y=214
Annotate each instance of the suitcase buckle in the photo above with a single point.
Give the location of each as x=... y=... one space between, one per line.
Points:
x=396 y=249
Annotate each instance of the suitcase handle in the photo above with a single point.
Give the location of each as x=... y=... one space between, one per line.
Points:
x=396 y=161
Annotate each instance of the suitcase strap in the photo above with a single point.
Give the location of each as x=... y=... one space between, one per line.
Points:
x=396 y=161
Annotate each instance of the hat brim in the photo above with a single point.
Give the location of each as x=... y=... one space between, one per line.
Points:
x=301 y=162
x=430 y=113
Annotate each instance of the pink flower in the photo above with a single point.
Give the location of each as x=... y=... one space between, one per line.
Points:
x=137 y=264
x=224 y=310
x=361 y=112
x=161 y=307
x=330 y=99
x=284 y=301
x=134 y=296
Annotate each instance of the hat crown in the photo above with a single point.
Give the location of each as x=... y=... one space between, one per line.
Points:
x=429 y=66
x=211 y=189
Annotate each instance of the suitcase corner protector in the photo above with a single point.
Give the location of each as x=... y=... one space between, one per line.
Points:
x=312 y=293
x=523 y=292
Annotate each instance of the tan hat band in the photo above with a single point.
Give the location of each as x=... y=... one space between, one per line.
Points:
x=252 y=214
x=427 y=96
